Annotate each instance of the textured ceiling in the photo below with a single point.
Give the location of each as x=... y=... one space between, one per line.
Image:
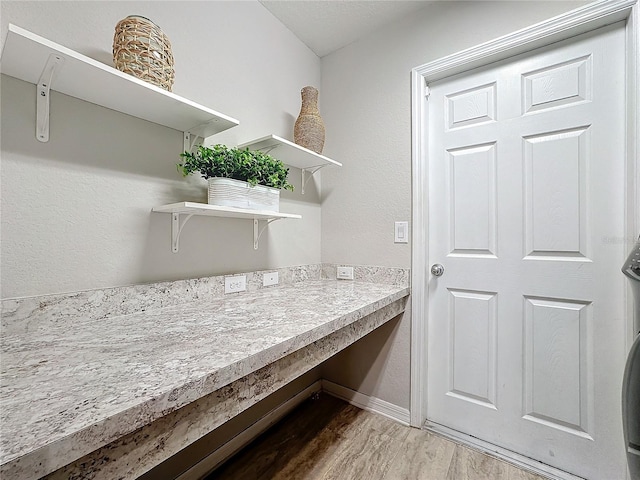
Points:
x=326 y=26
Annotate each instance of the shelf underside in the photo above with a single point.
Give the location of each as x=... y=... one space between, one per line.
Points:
x=289 y=153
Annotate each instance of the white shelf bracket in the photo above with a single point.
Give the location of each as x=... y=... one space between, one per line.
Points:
x=190 y=141
x=312 y=172
x=257 y=231
x=43 y=90
x=269 y=148
x=176 y=230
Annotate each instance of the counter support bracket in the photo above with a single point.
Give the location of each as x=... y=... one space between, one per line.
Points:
x=43 y=93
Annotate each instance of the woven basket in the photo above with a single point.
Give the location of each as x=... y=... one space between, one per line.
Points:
x=141 y=49
x=308 y=131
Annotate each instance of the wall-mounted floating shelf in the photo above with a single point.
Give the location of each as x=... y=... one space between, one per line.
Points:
x=191 y=208
x=50 y=66
x=291 y=154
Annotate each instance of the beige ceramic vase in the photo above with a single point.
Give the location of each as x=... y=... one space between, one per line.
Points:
x=308 y=132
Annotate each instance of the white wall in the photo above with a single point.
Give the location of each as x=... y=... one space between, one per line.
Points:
x=366 y=105
x=76 y=212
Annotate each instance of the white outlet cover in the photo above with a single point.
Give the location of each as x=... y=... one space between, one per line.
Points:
x=235 y=283
x=269 y=279
x=344 y=273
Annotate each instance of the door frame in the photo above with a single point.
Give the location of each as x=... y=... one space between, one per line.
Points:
x=575 y=22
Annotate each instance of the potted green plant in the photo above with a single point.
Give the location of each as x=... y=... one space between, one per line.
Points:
x=238 y=178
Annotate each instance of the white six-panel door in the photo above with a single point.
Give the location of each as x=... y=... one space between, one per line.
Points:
x=526 y=201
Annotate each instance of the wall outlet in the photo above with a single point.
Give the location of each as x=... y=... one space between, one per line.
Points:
x=344 y=273
x=235 y=283
x=269 y=279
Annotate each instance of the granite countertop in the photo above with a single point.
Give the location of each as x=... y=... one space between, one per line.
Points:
x=74 y=380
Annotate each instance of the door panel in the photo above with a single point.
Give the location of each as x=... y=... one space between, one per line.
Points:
x=472 y=353
x=563 y=84
x=526 y=181
x=555 y=201
x=557 y=353
x=472 y=106
x=473 y=199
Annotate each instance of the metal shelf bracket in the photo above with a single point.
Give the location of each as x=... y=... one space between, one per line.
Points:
x=257 y=231
x=176 y=230
x=190 y=141
x=267 y=149
x=43 y=90
x=312 y=172
x=177 y=226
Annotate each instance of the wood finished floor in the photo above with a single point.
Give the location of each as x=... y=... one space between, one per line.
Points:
x=327 y=439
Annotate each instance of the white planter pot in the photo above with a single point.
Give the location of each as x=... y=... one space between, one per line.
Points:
x=226 y=192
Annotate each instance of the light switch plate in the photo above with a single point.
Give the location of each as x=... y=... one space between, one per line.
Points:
x=269 y=279
x=401 y=232
x=344 y=273
x=235 y=283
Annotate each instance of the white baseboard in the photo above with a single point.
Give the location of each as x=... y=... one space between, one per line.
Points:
x=365 y=402
x=207 y=464
x=516 y=459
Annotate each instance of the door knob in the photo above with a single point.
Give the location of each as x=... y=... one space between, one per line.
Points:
x=437 y=269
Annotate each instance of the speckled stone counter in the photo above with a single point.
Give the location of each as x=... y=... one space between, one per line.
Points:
x=73 y=383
